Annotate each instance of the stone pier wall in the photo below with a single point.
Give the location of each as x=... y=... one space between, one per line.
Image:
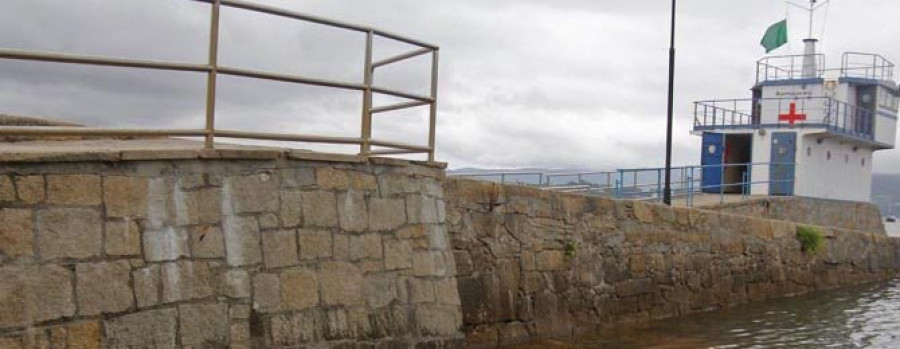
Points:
x=851 y=215
x=536 y=264
x=280 y=251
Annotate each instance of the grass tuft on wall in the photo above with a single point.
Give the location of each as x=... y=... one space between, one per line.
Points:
x=811 y=239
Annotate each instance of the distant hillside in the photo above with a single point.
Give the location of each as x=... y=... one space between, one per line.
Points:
x=885 y=187
x=886 y=193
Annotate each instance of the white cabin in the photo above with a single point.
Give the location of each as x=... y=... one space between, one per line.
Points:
x=806 y=130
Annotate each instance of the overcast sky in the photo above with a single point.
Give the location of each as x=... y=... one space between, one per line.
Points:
x=552 y=83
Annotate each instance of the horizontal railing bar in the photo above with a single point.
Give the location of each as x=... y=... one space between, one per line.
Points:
x=492 y=174
x=287 y=137
x=290 y=14
x=395 y=152
x=89 y=131
x=402 y=94
x=318 y=20
x=402 y=38
x=401 y=57
x=102 y=61
x=289 y=78
x=396 y=145
x=398 y=106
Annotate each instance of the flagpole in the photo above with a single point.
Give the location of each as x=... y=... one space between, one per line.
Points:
x=667 y=191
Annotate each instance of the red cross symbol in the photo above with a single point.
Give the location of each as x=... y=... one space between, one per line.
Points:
x=792 y=116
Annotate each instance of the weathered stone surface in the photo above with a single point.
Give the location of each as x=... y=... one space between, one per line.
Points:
x=11 y=343
x=352 y=211
x=291 y=208
x=386 y=214
x=429 y=263
x=207 y=241
x=69 y=233
x=191 y=181
x=315 y=244
x=319 y=209
x=421 y=209
x=103 y=287
x=123 y=238
x=147 y=284
x=421 y=290
x=186 y=280
x=125 y=196
x=297 y=177
x=253 y=193
x=16 y=233
x=437 y=320
x=239 y=311
x=299 y=288
x=266 y=293
x=237 y=283
x=387 y=290
x=7 y=189
x=202 y=206
x=166 y=244
x=269 y=221
x=280 y=248
x=73 y=189
x=331 y=178
x=366 y=246
x=242 y=241
x=446 y=291
x=83 y=335
x=341 y=284
x=398 y=254
x=437 y=237
x=341 y=248
x=151 y=328
x=203 y=325
x=297 y=328
x=33 y=294
x=550 y=260
x=30 y=189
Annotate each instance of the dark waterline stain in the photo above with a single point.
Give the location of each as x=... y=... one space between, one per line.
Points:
x=855 y=317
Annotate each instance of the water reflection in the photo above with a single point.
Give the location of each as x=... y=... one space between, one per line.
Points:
x=858 y=317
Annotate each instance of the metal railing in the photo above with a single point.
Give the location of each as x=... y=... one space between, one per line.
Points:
x=646 y=184
x=866 y=66
x=824 y=112
x=213 y=69
x=776 y=68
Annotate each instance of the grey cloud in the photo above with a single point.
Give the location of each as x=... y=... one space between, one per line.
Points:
x=577 y=83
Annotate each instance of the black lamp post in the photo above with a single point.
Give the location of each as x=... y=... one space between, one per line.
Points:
x=667 y=191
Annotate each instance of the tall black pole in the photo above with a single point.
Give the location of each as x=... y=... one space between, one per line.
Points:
x=667 y=191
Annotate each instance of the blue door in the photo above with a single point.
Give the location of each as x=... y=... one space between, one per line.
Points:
x=711 y=159
x=781 y=169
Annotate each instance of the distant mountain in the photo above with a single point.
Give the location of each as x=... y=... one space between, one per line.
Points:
x=886 y=193
x=885 y=187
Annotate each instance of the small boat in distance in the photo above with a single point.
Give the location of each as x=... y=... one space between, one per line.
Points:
x=891 y=219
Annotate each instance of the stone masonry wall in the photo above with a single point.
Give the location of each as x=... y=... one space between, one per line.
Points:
x=862 y=216
x=216 y=253
x=536 y=264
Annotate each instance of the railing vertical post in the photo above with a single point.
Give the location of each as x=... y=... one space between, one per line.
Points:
x=368 y=76
x=689 y=196
x=210 y=129
x=658 y=184
x=432 y=113
x=722 y=184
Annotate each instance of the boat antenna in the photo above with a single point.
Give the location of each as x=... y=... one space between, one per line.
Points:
x=813 y=6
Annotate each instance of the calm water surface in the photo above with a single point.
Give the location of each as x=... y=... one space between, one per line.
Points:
x=856 y=317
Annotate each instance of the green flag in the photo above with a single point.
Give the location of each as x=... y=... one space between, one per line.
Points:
x=776 y=36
